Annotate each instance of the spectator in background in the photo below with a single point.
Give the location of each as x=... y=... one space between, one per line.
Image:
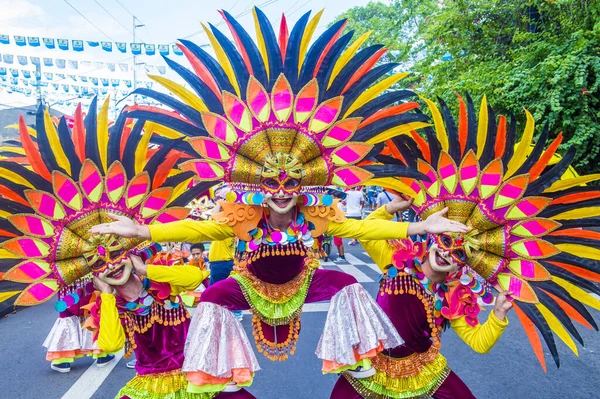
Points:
x=355 y=201
x=337 y=241
x=197 y=254
x=384 y=198
x=372 y=196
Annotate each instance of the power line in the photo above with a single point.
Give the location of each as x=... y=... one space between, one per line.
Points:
x=90 y=22
x=125 y=8
x=106 y=11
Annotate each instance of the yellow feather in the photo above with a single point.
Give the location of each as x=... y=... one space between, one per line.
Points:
x=580 y=250
x=347 y=56
x=31 y=130
x=7 y=295
x=396 y=131
x=184 y=94
x=222 y=58
x=103 y=133
x=557 y=327
x=4 y=214
x=7 y=254
x=578 y=213
x=55 y=145
x=308 y=32
x=167 y=132
x=142 y=149
x=440 y=129
x=482 y=127
x=568 y=183
x=521 y=152
x=15 y=150
x=578 y=293
x=394 y=184
x=180 y=188
x=374 y=91
x=261 y=42
x=15 y=178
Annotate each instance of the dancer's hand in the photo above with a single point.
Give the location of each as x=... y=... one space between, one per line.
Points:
x=437 y=224
x=123 y=226
x=503 y=304
x=398 y=204
x=141 y=269
x=102 y=286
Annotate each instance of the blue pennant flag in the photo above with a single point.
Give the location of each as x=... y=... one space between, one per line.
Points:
x=94 y=81
x=150 y=49
x=84 y=90
x=63 y=44
x=104 y=81
x=26 y=74
x=60 y=63
x=14 y=72
x=161 y=69
x=7 y=58
x=77 y=45
x=43 y=84
x=115 y=82
x=2 y=71
x=111 y=67
x=4 y=39
x=55 y=86
x=49 y=43
x=48 y=75
x=106 y=46
x=163 y=49
x=25 y=82
x=35 y=61
x=83 y=79
x=122 y=47
x=27 y=92
x=127 y=83
x=75 y=88
x=94 y=90
x=65 y=88
x=33 y=41
x=124 y=67
x=73 y=77
x=149 y=84
x=60 y=75
x=38 y=75
x=14 y=81
x=22 y=59
x=73 y=64
x=103 y=91
x=48 y=62
x=136 y=48
x=20 y=40
x=93 y=44
x=176 y=50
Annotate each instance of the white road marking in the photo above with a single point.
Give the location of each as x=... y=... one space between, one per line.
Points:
x=91 y=380
x=355 y=272
x=355 y=261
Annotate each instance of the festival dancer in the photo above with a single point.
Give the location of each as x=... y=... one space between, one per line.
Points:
x=279 y=122
x=530 y=240
x=79 y=177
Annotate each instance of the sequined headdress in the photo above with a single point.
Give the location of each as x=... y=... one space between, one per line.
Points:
x=530 y=229
x=74 y=179
x=306 y=115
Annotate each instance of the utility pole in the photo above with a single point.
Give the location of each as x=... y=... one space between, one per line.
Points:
x=135 y=26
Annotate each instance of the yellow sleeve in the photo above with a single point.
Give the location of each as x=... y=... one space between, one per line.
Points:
x=482 y=337
x=181 y=278
x=221 y=250
x=379 y=250
x=190 y=231
x=111 y=337
x=368 y=229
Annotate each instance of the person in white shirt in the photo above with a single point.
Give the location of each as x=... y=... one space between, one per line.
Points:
x=355 y=202
x=383 y=198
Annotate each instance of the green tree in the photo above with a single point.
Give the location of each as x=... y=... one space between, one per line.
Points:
x=541 y=55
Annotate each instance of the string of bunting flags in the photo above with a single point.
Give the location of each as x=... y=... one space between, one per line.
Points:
x=62 y=63
x=80 y=45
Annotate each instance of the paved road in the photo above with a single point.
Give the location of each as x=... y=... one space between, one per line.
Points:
x=509 y=371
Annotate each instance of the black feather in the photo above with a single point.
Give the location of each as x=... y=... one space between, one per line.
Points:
x=190 y=113
x=570 y=277
x=394 y=171
x=490 y=142
x=511 y=137
x=131 y=145
x=235 y=59
x=560 y=314
x=471 y=126
x=114 y=138
x=563 y=294
x=451 y=130
x=546 y=179
x=539 y=147
x=362 y=84
x=350 y=69
x=373 y=129
x=211 y=64
x=292 y=53
x=66 y=142
x=158 y=158
x=92 y=151
x=36 y=180
x=44 y=143
x=272 y=48
x=382 y=101
x=170 y=122
x=192 y=193
x=542 y=325
x=326 y=68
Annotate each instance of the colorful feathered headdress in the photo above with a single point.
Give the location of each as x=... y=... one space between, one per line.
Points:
x=280 y=113
x=531 y=230
x=74 y=179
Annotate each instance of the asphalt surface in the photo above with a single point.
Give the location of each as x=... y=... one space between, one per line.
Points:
x=510 y=370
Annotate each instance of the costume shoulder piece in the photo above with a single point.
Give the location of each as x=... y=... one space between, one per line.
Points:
x=531 y=230
x=280 y=113
x=74 y=179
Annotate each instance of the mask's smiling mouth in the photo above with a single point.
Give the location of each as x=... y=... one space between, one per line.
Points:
x=281 y=202
x=116 y=274
x=440 y=260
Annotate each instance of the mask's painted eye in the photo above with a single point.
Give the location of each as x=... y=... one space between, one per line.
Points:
x=271 y=183
x=291 y=183
x=116 y=254
x=446 y=240
x=460 y=255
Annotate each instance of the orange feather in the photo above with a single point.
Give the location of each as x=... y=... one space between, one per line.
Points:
x=394 y=151
x=570 y=311
x=577 y=233
x=463 y=124
x=422 y=144
x=4 y=233
x=541 y=164
x=283 y=36
x=384 y=113
x=79 y=134
x=500 y=137
x=577 y=197
x=578 y=271
x=165 y=168
x=11 y=195
x=366 y=67
x=200 y=70
x=33 y=155
x=532 y=334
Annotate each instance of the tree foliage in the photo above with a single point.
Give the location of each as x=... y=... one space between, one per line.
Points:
x=541 y=55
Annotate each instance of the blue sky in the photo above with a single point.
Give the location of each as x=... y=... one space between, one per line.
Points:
x=165 y=22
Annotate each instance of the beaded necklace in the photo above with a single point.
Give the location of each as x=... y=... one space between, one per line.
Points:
x=297 y=232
